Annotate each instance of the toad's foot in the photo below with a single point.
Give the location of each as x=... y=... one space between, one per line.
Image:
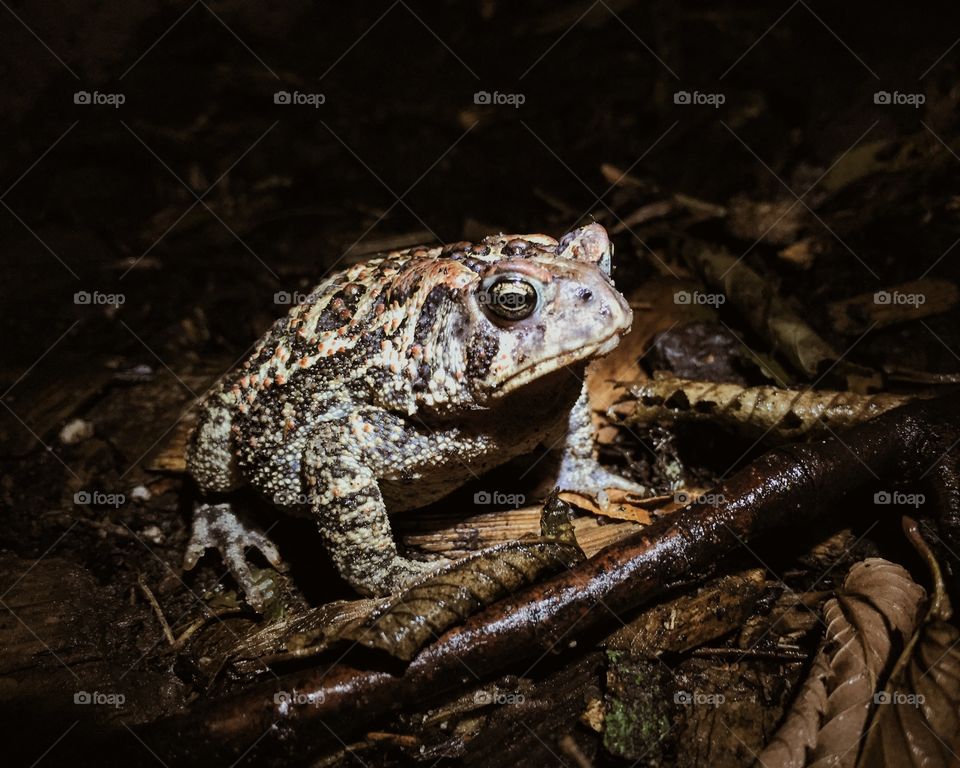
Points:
x=588 y=476
x=216 y=526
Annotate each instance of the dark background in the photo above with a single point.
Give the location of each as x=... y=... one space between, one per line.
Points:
x=303 y=185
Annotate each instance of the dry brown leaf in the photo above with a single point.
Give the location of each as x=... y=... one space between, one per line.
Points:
x=801 y=253
x=917 y=720
x=298 y=635
x=755 y=411
x=423 y=612
x=776 y=222
x=798 y=735
x=877 y=608
x=895 y=304
x=767 y=313
x=620 y=508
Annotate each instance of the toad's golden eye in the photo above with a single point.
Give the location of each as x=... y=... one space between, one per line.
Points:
x=509 y=298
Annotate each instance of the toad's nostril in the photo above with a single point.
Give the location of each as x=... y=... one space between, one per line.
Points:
x=585 y=295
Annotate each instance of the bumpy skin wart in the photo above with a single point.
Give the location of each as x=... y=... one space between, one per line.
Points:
x=398 y=380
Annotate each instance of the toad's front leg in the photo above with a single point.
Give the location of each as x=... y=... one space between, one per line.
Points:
x=344 y=496
x=579 y=469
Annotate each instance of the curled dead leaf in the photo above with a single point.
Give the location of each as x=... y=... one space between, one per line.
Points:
x=875 y=612
x=917 y=719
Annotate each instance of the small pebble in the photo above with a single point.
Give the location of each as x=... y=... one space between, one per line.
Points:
x=153 y=534
x=140 y=493
x=76 y=431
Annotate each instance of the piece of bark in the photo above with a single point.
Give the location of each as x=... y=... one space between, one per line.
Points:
x=453 y=535
x=637 y=714
x=792 y=617
x=689 y=621
x=721 y=711
x=59 y=599
x=46 y=405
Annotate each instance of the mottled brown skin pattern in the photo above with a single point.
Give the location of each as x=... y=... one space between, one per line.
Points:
x=398 y=380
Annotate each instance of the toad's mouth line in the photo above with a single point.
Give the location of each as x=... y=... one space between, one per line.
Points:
x=529 y=373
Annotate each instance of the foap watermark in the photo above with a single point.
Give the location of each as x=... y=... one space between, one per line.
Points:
x=99 y=698
x=685 y=498
x=899 y=499
x=697 y=98
x=486 y=98
x=483 y=698
x=97 y=298
x=898 y=697
x=698 y=699
x=298 y=99
x=296 y=297
x=294 y=698
x=98 y=99
x=292 y=499
x=896 y=98
x=897 y=298
x=500 y=499
x=99 y=499
x=510 y=300
x=699 y=298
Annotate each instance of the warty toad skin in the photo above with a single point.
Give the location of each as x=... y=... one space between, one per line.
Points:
x=400 y=379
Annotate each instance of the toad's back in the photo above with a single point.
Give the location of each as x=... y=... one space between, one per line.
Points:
x=443 y=358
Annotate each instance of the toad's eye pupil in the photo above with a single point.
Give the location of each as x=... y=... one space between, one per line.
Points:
x=510 y=298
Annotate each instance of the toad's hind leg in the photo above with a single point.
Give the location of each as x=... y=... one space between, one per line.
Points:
x=217 y=526
x=345 y=498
